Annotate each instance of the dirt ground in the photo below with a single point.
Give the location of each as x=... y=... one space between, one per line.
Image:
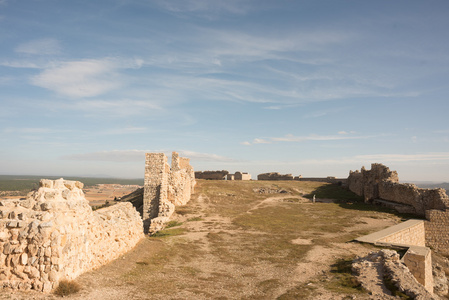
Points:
x=100 y=193
x=229 y=242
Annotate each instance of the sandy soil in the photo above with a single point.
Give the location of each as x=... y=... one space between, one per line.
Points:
x=100 y=193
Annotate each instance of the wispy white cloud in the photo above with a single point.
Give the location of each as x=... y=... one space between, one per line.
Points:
x=122 y=107
x=31 y=130
x=139 y=155
x=206 y=7
x=23 y=64
x=46 y=46
x=204 y=156
x=382 y=158
x=126 y=130
x=342 y=135
x=113 y=155
x=84 y=78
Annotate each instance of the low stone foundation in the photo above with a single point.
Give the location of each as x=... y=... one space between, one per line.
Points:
x=54 y=235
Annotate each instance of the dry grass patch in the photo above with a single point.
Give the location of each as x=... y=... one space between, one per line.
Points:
x=66 y=288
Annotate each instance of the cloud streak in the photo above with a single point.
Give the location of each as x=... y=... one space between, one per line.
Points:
x=84 y=78
x=139 y=156
x=342 y=135
x=382 y=158
x=46 y=46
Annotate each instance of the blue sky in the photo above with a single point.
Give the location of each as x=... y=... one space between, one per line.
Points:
x=315 y=88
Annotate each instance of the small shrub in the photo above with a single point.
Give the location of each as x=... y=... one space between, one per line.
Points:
x=67 y=287
x=195 y=219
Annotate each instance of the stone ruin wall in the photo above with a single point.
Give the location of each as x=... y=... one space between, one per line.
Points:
x=211 y=175
x=381 y=183
x=165 y=188
x=54 y=235
x=274 y=176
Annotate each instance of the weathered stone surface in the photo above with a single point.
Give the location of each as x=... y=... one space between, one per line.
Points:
x=165 y=188
x=57 y=235
x=381 y=183
x=386 y=265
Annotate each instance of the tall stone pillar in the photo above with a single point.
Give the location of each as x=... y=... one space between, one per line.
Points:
x=156 y=180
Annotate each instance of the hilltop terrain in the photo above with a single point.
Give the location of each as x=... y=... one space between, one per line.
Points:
x=253 y=240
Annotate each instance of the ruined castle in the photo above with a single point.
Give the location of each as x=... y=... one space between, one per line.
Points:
x=54 y=234
x=381 y=186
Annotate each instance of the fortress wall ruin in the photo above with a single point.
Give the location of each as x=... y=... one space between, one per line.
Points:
x=381 y=183
x=409 y=194
x=274 y=176
x=382 y=186
x=211 y=175
x=54 y=235
x=165 y=188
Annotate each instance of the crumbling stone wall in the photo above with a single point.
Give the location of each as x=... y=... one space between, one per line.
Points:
x=274 y=176
x=165 y=188
x=211 y=175
x=54 y=235
x=372 y=270
x=381 y=183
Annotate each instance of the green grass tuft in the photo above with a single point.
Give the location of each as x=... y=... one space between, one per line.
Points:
x=169 y=232
x=173 y=224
